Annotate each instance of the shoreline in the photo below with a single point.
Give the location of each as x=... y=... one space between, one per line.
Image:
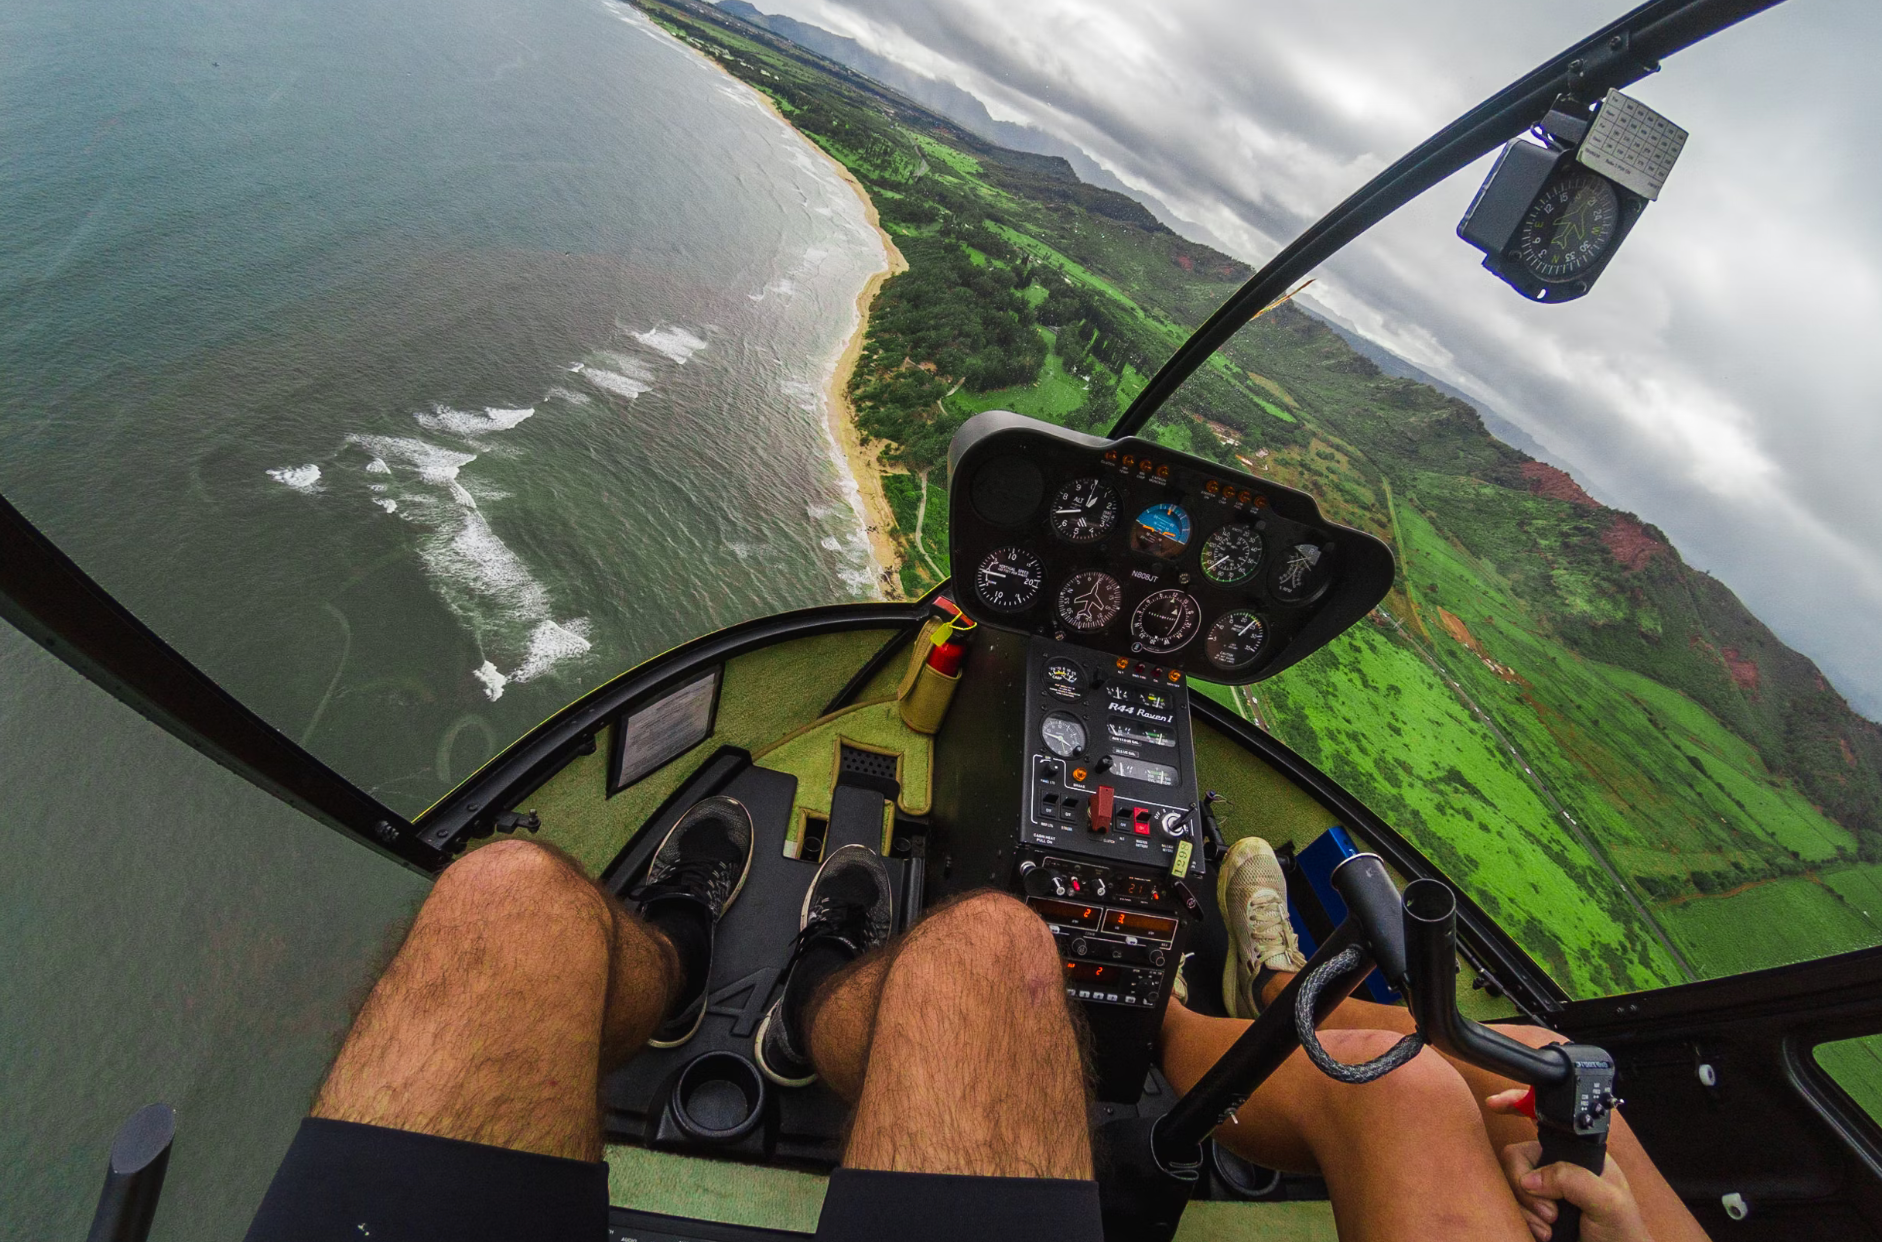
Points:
x=863 y=462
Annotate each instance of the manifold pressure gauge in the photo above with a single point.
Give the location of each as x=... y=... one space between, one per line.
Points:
x=1557 y=205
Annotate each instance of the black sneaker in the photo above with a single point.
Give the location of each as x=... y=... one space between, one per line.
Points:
x=849 y=910
x=702 y=863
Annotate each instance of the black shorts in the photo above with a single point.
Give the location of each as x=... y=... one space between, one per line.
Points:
x=342 y=1182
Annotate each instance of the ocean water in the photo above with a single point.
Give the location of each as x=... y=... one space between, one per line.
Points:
x=415 y=367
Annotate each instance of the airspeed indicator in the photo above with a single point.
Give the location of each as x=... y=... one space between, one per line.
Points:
x=1232 y=553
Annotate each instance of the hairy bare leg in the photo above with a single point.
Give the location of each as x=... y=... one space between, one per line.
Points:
x=959 y=1049
x=1405 y=1157
x=517 y=980
x=1666 y=1217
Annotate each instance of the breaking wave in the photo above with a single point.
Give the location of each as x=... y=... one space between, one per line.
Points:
x=300 y=478
x=459 y=423
x=676 y=344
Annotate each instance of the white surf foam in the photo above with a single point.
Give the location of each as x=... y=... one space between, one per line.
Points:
x=629 y=376
x=559 y=393
x=677 y=344
x=829 y=543
x=390 y=506
x=493 y=680
x=300 y=478
x=463 y=423
x=377 y=466
x=550 y=643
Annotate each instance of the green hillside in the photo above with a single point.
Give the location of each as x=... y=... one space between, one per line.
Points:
x=1598 y=741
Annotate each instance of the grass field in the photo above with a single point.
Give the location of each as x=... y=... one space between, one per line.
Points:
x=1054 y=395
x=1773 y=923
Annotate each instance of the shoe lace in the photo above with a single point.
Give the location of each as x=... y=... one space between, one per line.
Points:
x=692 y=875
x=1268 y=922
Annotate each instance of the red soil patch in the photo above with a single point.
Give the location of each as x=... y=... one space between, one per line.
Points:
x=1743 y=671
x=1849 y=756
x=1546 y=480
x=1455 y=627
x=1630 y=543
x=1185 y=262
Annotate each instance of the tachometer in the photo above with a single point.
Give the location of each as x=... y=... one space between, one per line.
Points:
x=1089 y=600
x=1232 y=553
x=1235 y=640
x=1302 y=574
x=1008 y=580
x=1162 y=530
x=1165 y=621
x=1084 y=511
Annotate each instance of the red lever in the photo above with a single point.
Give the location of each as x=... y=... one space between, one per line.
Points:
x=1100 y=808
x=1527 y=1105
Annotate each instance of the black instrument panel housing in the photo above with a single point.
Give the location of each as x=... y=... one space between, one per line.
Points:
x=1004 y=470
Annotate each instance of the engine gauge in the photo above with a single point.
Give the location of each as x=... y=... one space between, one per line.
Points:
x=1162 y=530
x=1008 y=580
x=1232 y=553
x=1235 y=640
x=1064 y=736
x=1569 y=227
x=1089 y=600
x=1165 y=621
x=1302 y=574
x=1084 y=511
x=1064 y=680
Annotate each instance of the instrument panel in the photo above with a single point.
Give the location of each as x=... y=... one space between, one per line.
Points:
x=1148 y=554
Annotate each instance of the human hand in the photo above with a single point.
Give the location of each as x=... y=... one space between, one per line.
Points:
x=1608 y=1210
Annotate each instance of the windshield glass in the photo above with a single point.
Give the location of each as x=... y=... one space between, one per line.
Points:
x=403 y=372
x=1622 y=689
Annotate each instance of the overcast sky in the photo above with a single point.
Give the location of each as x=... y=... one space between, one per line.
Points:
x=1722 y=380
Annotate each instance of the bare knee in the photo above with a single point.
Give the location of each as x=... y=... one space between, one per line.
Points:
x=1425 y=1085
x=989 y=932
x=517 y=881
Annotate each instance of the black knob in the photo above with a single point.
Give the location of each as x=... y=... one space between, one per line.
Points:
x=1104 y=763
x=1156 y=957
x=1079 y=946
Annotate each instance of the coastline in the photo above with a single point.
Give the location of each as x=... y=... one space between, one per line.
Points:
x=862 y=461
x=865 y=465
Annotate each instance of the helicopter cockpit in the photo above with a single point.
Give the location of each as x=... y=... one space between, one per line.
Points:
x=1171 y=580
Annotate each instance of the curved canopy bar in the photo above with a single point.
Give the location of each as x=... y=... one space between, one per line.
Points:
x=1619 y=54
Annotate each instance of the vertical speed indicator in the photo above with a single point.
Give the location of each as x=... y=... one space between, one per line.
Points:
x=1008 y=580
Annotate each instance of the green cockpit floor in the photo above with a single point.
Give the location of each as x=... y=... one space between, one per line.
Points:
x=810 y=754
x=784 y=1199
x=765 y=695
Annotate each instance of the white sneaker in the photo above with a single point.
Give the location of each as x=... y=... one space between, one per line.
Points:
x=1253 y=895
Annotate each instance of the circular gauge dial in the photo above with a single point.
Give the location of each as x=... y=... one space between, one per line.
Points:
x=1008 y=579
x=1165 y=621
x=1231 y=554
x=1161 y=530
x=1303 y=573
x=1084 y=511
x=1064 y=736
x=1089 y=600
x=1235 y=640
x=1064 y=680
x=1569 y=227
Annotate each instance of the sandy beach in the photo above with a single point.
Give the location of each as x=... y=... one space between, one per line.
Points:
x=864 y=467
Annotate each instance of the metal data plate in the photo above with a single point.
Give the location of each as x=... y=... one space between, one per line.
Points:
x=1632 y=145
